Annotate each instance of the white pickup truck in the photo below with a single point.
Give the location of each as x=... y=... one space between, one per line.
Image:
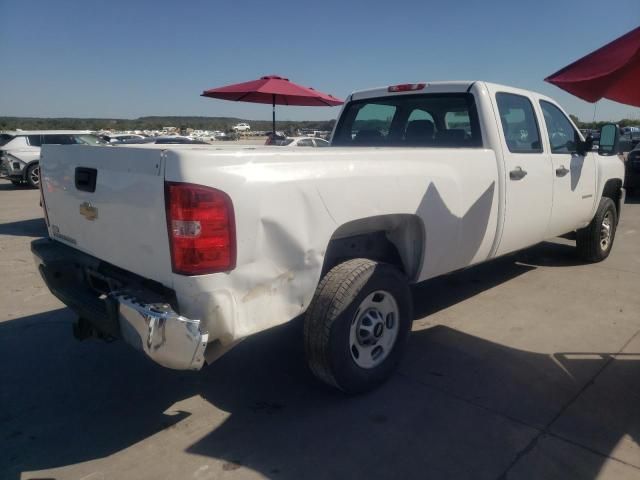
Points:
x=183 y=251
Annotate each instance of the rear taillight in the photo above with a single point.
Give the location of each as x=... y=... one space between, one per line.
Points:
x=201 y=227
x=407 y=87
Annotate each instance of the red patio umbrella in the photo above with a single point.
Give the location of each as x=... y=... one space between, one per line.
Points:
x=274 y=90
x=612 y=72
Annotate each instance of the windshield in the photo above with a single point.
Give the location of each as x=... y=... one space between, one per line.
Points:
x=428 y=120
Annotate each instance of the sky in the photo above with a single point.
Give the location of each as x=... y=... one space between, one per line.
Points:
x=125 y=59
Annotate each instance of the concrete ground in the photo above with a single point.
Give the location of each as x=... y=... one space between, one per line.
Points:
x=524 y=368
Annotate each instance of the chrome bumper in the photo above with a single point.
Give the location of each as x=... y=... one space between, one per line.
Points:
x=142 y=318
x=168 y=338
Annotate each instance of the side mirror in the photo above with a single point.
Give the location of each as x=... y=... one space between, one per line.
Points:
x=609 y=139
x=584 y=147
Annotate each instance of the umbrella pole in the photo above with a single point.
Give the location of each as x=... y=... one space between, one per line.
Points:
x=273 y=116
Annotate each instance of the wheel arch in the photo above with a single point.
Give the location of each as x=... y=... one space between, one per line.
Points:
x=398 y=239
x=613 y=189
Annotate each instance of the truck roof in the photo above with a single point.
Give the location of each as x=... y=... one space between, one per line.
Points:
x=452 y=86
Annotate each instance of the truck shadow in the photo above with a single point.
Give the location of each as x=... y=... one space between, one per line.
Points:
x=6 y=186
x=633 y=198
x=35 y=227
x=445 y=230
x=460 y=406
x=549 y=254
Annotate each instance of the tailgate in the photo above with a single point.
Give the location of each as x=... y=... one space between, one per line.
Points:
x=122 y=220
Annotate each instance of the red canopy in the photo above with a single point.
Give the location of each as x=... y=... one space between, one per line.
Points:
x=274 y=90
x=612 y=72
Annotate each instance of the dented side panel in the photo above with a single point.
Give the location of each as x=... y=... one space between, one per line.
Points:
x=289 y=204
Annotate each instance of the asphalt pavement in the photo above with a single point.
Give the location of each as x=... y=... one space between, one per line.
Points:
x=527 y=367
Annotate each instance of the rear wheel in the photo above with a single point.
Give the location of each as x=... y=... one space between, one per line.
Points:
x=357 y=325
x=594 y=241
x=33 y=176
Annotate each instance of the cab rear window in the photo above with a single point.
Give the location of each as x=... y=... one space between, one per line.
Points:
x=424 y=120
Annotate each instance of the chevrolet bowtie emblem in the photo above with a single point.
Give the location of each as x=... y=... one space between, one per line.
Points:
x=88 y=211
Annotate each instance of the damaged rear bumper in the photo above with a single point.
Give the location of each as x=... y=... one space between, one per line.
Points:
x=142 y=316
x=166 y=337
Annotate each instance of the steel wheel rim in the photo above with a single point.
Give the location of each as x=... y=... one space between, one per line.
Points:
x=605 y=231
x=34 y=175
x=374 y=329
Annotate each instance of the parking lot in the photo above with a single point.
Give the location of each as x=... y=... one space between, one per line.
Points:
x=526 y=367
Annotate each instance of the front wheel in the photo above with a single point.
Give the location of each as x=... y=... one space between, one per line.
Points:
x=33 y=175
x=357 y=325
x=594 y=241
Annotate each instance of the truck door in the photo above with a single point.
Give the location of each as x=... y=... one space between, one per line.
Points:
x=528 y=191
x=574 y=176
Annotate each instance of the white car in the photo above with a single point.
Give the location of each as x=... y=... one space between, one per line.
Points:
x=241 y=127
x=304 y=142
x=183 y=251
x=20 y=151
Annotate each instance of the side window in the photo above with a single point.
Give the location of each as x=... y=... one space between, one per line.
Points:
x=519 y=123
x=562 y=136
x=59 y=139
x=34 y=140
x=305 y=142
x=50 y=139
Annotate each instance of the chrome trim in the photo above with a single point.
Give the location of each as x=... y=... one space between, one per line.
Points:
x=168 y=338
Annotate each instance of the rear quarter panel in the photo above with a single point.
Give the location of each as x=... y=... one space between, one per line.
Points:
x=288 y=204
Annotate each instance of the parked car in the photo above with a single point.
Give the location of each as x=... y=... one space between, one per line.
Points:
x=20 y=151
x=226 y=136
x=632 y=170
x=278 y=139
x=303 y=142
x=202 y=247
x=241 y=127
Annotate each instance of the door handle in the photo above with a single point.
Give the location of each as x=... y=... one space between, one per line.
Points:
x=517 y=174
x=562 y=171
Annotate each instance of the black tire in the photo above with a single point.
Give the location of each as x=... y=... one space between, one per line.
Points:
x=33 y=176
x=590 y=239
x=332 y=312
